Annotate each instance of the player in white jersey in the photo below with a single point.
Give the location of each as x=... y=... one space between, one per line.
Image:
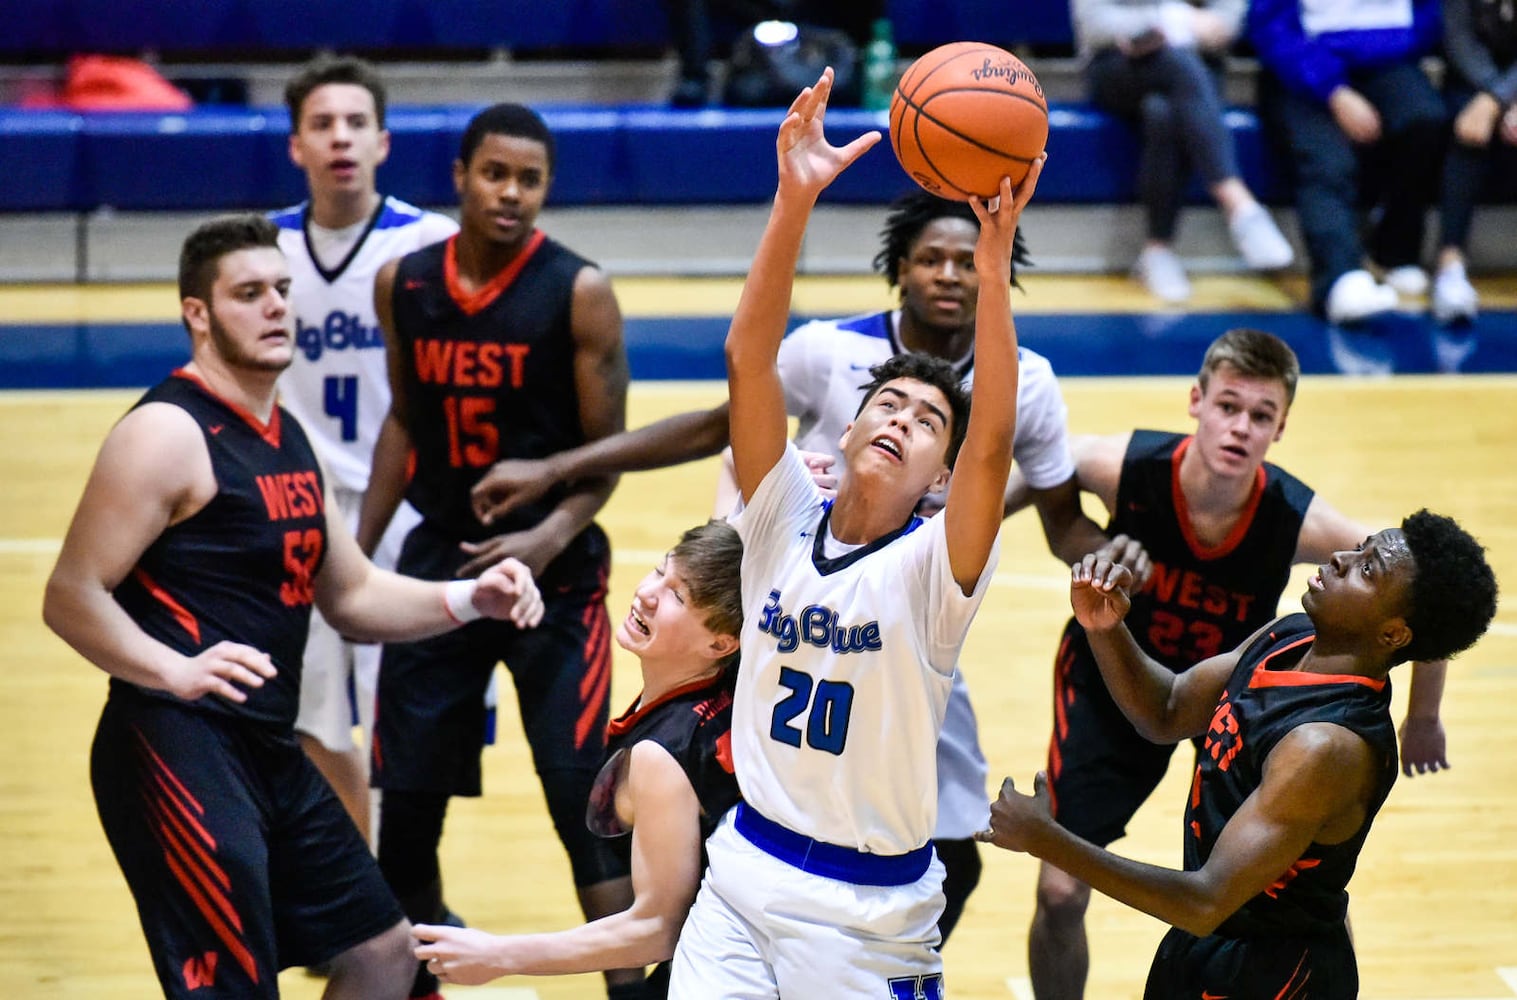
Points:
x=823 y=881
x=338 y=386
x=928 y=255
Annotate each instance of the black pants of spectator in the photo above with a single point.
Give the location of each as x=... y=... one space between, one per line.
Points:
x=1174 y=98
x=1328 y=170
x=1467 y=171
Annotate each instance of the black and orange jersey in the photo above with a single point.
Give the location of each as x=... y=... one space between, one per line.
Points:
x=1200 y=600
x=1264 y=700
x=693 y=723
x=243 y=568
x=487 y=375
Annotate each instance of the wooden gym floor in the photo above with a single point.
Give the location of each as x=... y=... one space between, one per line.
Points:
x=1435 y=899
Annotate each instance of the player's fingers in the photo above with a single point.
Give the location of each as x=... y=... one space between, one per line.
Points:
x=1040 y=784
x=1030 y=182
x=859 y=146
x=1008 y=787
x=254 y=660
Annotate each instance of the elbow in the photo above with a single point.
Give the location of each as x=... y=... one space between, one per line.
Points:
x=1201 y=917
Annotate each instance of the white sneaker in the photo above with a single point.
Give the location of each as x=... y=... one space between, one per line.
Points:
x=1259 y=241
x=1408 y=279
x=1160 y=271
x=1454 y=298
x=1356 y=296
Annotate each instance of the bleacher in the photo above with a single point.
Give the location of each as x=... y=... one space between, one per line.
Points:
x=627 y=151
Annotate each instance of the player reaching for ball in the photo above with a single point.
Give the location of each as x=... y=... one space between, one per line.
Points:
x=823 y=881
x=965 y=115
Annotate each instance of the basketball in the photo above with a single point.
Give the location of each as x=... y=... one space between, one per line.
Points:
x=963 y=116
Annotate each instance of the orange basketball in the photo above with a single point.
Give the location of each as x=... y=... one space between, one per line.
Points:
x=965 y=115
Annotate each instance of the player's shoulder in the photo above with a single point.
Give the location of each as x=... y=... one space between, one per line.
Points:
x=873 y=327
x=1034 y=368
x=290 y=219
x=417 y=226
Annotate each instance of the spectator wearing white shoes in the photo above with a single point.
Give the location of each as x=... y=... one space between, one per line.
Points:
x=1338 y=78
x=1157 y=64
x=1480 y=91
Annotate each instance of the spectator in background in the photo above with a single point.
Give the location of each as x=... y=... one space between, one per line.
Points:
x=1157 y=63
x=703 y=30
x=1340 y=77
x=1480 y=92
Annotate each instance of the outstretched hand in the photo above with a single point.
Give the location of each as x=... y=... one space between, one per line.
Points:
x=1099 y=591
x=459 y=955
x=507 y=590
x=1129 y=552
x=1424 y=746
x=1015 y=819
x=808 y=162
x=998 y=217
x=510 y=484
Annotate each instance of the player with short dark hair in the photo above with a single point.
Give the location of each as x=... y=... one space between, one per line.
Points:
x=1299 y=755
x=1222 y=528
x=203 y=539
x=823 y=881
x=338 y=387
x=503 y=343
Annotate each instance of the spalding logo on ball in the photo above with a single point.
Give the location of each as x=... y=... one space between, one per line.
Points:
x=965 y=115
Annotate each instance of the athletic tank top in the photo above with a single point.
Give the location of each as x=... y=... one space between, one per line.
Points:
x=243 y=568
x=488 y=376
x=1203 y=601
x=339 y=387
x=693 y=723
x=1263 y=702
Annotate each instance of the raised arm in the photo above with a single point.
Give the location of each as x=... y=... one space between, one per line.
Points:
x=1316 y=787
x=1424 y=743
x=807 y=164
x=666 y=871
x=392 y=448
x=153 y=471
x=977 y=493
x=1164 y=707
x=674 y=440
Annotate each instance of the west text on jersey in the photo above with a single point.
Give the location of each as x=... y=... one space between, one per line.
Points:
x=469 y=364
x=1190 y=589
x=817 y=626
x=340 y=331
x=289 y=495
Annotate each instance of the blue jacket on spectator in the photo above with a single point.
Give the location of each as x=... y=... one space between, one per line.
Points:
x=1313 y=45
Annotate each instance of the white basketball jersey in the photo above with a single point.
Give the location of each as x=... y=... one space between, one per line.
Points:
x=823 y=363
x=338 y=386
x=846 y=669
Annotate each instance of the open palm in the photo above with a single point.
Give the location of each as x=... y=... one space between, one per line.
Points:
x=807 y=160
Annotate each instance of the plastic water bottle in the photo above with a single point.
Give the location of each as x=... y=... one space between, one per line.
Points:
x=879 y=67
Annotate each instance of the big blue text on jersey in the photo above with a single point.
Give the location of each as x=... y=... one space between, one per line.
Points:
x=816 y=626
x=340 y=331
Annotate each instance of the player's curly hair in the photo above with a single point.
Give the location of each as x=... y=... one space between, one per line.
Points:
x=934 y=372
x=1453 y=591
x=515 y=120
x=333 y=69
x=911 y=213
x=710 y=558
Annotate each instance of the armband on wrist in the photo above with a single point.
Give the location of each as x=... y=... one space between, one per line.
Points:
x=458 y=601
